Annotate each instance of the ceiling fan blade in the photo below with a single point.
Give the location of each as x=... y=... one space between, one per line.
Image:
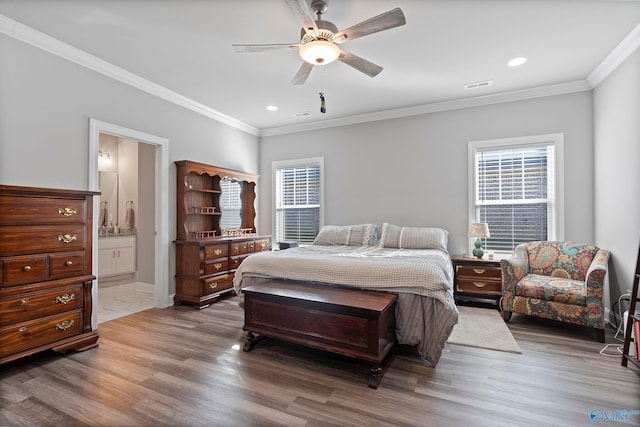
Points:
x=360 y=64
x=302 y=74
x=263 y=47
x=391 y=19
x=304 y=15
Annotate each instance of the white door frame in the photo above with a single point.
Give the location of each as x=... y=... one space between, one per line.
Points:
x=96 y=127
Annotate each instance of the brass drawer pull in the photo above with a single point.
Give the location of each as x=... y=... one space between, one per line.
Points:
x=23 y=329
x=68 y=263
x=65 y=299
x=479 y=270
x=67 y=211
x=64 y=325
x=67 y=238
x=26 y=268
x=217 y=251
x=479 y=284
x=217 y=265
x=24 y=300
x=213 y=285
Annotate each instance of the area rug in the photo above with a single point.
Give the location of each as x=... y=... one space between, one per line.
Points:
x=483 y=328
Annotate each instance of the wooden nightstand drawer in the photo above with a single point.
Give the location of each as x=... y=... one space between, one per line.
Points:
x=477 y=278
x=479 y=286
x=479 y=272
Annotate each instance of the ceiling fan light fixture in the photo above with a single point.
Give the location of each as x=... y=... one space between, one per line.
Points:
x=319 y=52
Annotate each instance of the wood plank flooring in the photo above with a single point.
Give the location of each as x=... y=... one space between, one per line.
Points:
x=184 y=367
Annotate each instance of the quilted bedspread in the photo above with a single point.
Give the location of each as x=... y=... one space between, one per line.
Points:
x=422 y=278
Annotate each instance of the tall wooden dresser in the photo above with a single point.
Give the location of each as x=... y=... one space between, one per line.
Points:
x=211 y=240
x=45 y=271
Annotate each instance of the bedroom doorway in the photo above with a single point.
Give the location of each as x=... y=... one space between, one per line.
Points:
x=126 y=227
x=152 y=202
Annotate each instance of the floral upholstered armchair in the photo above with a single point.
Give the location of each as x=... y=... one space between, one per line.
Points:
x=556 y=280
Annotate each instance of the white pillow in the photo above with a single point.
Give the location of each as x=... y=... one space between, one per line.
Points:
x=349 y=235
x=393 y=236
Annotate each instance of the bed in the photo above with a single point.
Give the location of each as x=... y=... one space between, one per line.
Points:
x=410 y=262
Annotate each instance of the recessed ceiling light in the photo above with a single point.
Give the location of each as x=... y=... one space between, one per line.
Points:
x=517 y=61
x=272 y=107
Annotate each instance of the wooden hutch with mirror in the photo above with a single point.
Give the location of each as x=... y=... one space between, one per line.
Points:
x=215 y=230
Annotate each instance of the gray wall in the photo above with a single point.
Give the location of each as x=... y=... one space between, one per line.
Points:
x=45 y=106
x=413 y=170
x=617 y=171
x=146 y=209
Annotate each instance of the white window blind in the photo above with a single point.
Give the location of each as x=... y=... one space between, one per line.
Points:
x=515 y=193
x=298 y=202
x=230 y=205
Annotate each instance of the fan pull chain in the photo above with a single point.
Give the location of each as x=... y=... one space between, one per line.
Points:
x=323 y=105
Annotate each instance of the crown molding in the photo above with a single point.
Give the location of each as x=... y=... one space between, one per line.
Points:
x=517 y=95
x=56 y=47
x=625 y=48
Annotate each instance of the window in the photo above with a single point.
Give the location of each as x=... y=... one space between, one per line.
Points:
x=230 y=205
x=517 y=189
x=298 y=199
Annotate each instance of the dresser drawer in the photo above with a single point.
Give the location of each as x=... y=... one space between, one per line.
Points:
x=17 y=210
x=34 y=333
x=216 y=251
x=68 y=264
x=236 y=261
x=217 y=284
x=216 y=266
x=72 y=237
x=239 y=248
x=19 y=307
x=19 y=270
x=262 y=245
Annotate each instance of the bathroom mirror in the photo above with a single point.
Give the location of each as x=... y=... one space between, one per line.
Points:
x=108 y=184
x=230 y=204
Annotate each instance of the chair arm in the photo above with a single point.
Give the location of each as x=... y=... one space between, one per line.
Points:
x=596 y=273
x=514 y=268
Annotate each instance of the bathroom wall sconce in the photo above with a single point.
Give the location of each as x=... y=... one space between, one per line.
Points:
x=103 y=155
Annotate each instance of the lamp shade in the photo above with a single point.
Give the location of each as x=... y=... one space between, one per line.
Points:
x=479 y=229
x=319 y=52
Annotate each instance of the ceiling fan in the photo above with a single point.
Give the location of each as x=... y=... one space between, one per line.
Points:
x=319 y=39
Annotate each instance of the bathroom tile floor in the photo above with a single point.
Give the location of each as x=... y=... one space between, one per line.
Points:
x=119 y=300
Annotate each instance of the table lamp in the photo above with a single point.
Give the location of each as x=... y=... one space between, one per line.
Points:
x=478 y=230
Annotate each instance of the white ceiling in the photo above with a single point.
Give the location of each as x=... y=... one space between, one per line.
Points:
x=185 y=46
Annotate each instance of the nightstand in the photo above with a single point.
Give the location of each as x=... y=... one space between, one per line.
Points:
x=476 y=278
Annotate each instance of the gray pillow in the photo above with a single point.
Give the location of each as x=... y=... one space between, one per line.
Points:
x=349 y=235
x=393 y=236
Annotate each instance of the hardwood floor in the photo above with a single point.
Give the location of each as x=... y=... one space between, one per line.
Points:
x=184 y=367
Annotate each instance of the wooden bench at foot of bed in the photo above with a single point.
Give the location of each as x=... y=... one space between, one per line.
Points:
x=347 y=321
